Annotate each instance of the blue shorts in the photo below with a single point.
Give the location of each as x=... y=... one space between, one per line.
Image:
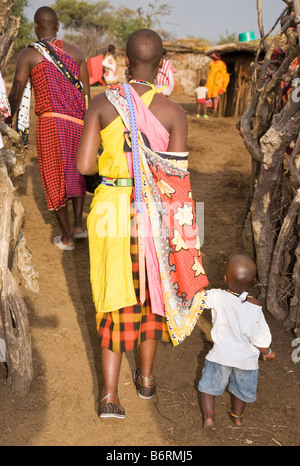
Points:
x=241 y=383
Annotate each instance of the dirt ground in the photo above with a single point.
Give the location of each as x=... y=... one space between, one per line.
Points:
x=62 y=404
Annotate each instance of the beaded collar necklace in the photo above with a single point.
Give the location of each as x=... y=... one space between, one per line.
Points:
x=140 y=81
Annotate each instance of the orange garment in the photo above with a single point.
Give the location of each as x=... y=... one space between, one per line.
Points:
x=218 y=79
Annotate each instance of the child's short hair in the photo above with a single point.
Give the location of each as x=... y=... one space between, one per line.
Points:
x=202 y=82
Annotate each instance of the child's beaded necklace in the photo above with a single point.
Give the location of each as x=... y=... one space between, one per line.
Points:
x=243 y=296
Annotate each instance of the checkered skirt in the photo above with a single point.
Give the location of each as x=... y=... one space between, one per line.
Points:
x=124 y=329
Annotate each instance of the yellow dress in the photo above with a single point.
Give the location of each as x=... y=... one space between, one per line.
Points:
x=217 y=79
x=109 y=225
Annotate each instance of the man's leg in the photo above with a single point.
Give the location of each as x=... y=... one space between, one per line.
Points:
x=63 y=220
x=215 y=105
x=78 y=204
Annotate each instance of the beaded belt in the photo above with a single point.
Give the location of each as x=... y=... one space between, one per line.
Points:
x=117 y=182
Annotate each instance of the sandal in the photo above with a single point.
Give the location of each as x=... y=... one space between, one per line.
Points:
x=111 y=409
x=146 y=393
x=81 y=234
x=65 y=247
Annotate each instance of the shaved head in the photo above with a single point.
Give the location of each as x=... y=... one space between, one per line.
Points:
x=144 y=46
x=46 y=18
x=240 y=273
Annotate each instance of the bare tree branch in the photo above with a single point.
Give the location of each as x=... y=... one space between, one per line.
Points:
x=270 y=129
x=297 y=16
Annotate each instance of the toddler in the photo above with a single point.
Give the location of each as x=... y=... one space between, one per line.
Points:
x=239 y=333
x=201 y=92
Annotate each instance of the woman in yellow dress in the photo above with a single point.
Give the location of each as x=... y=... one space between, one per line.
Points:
x=147 y=287
x=124 y=321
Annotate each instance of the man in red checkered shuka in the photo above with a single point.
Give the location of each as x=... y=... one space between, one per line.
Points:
x=60 y=107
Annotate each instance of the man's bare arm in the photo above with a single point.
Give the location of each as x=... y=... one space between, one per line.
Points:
x=20 y=79
x=84 y=78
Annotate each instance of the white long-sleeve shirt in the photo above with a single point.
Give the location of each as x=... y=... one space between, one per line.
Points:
x=238 y=329
x=165 y=77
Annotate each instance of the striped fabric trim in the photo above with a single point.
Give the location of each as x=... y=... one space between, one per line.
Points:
x=173 y=155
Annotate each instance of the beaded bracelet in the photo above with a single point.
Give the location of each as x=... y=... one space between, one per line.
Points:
x=235 y=415
x=266 y=355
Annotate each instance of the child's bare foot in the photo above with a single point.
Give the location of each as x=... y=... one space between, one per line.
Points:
x=209 y=421
x=237 y=420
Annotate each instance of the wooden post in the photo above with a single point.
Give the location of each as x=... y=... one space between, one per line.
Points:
x=14 y=255
x=12 y=307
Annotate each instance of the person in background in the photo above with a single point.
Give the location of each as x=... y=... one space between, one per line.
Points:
x=217 y=80
x=165 y=77
x=201 y=92
x=110 y=67
x=59 y=76
x=240 y=334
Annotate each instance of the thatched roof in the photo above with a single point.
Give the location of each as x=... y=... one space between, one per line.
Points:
x=250 y=47
x=188 y=45
x=201 y=46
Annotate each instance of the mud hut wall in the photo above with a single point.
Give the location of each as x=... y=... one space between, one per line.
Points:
x=190 y=68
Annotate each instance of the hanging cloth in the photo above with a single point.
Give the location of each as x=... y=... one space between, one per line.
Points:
x=4 y=104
